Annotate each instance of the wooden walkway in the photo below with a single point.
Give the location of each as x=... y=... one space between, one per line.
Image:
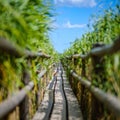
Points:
x=59 y=101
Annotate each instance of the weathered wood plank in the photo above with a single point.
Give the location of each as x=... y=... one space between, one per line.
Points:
x=59 y=109
x=74 y=111
x=58 y=106
x=45 y=108
x=42 y=109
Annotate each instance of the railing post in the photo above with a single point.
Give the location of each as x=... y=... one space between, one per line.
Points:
x=98 y=78
x=84 y=98
x=39 y=91
x=71 y=79
x=37 y=96
x=24 y=105
x=72 y=63
x=46 y=75
x=83 y=68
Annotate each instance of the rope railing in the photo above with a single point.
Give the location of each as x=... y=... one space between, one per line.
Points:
x=112 y=102
x=100 y=51
x=14 y=50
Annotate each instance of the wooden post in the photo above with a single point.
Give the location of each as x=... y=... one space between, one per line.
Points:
x=98 y=79
x=36 y=97
x=24 y=105
x=72 y=63
x=39 y=91
x=84 y=98
x=46 y=74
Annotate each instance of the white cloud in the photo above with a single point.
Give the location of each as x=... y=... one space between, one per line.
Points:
x=69 y=25
x=76 y=3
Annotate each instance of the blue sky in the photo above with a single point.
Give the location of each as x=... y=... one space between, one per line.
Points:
x=72 y=19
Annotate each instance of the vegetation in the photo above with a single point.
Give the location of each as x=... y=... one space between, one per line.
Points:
x=25 y=23
x=104 y=29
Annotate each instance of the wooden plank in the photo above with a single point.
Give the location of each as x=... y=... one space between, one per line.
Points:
x=24 y=105
x=58 y=106
x=59 y=109
x=42 y=109
x=51 y=98
x=46 y=106
x=74 y=111
x=59 y=112
x=65 y=103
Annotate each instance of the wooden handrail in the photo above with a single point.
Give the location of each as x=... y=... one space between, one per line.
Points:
x=112 y=102
x=97 y=54
x=9 y=104
x=11 y=49
x=42 y=73
x=51 y=88
x=100 y=51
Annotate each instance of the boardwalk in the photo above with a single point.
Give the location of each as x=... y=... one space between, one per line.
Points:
x=65 y=105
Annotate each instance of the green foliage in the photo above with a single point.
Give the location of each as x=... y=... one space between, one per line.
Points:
x=25 y=23
x=103 y=28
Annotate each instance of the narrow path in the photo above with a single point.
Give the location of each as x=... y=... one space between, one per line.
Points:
x=60 y=107
x=63 y=105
